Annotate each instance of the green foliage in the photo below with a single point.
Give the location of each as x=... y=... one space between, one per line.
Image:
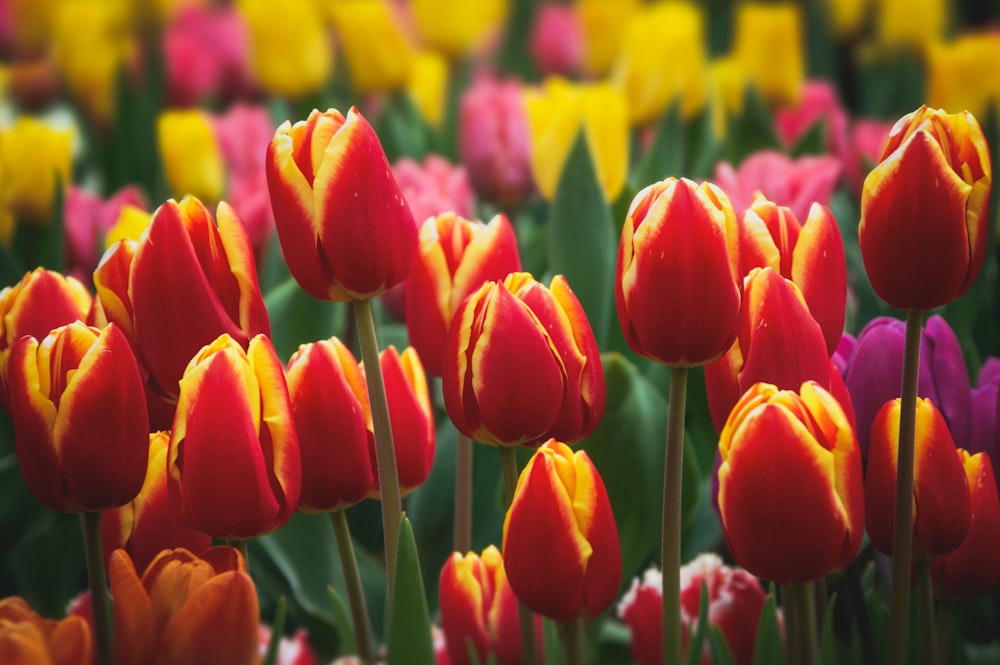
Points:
x=767 y=647
x=409 y=628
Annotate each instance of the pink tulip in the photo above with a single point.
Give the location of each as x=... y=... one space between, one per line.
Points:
x=434 y=187
x=819 y=102
x=864 y=151
x=556 y=40
x=206 y=52
x=87 y=219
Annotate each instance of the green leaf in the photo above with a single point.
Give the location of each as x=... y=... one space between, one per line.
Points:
x=582 y=243
x=298 y=318
x=409 y=628
x=401 y=129
x=666 y=156
x=767 y=646
x=813 y=142
x=721 y=655
x=277 y=629
x=342 y=623
x=696 y=642
x=552 y=646
x=827 y=639
x=750 y=131
x=51 y=238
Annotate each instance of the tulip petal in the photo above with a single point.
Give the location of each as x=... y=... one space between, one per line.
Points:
x=135 y=631
x=597 y=524
x=818 y=269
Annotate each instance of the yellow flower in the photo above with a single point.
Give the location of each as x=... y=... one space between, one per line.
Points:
x=456 y=26
x=847 y=16
x=727 y=82
x=377 y=54
x=428 y=85
x=604 y=24
x=33 y=156
x=556 y=113
x=768 y=45
x=911 y=23
x=962 y=74
x=663 y=59
x=132 y=221
x=33 y=19
x=192 y=162
x=290 y=51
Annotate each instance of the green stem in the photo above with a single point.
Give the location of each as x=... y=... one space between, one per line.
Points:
x=803 y=638
x=902 y=547
x=508 y=461
x=925 y=610
x=355 y=592
x=241 y=545
x=944 y=615
x=463 y=494
x=574 y=642
x=670 y=564
x=385 y=451
x=100 y=600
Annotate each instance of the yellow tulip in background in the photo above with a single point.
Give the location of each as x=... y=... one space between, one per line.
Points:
x=192 y=162
x=727 y=82
x=911 y=23
x=132 y=221
x=557 y=112
x=768 y=45
x=846 y=16
x=428 y=85
x=374 y=47
x=962 y=74
x=663 y=59
x=604 y=24
x=33 y=156
x=290 y=50
x=455 y=27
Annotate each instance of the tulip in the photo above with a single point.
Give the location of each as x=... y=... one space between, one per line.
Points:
x=375 y=48
x=478 y=608
x=768 y=44
x=931 y=188
x=973 y=569
x=35 y=159
x=345 y=228
x=434 y=187
x=191 y=159
x=27 y=638
x=206 y=52
x=957 y=77
x=984 y=433
x=455 y=258
x=940 y=486
x=88 y=219
x=560 y=542
x=913 y=24
x=558 y=112
x=234 y=462
x=493 y=141
x=819 y=102
x=866 y=143
x=150 y=522
x=329 y=400
x=790 y=487
x=427 y=86
x=184 y=609
x=663 y=61
x=727 y=84
x=41 y=301
x=556 y=41
x=33 y=21
x=130 y=224
x=455 y=26
x=290 y=51
x=684 y=235
x=847 y=17
x=294 y=650
x=72 y=455
x=604 y=24
x=521 y=364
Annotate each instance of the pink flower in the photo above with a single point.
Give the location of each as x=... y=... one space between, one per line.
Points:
x=819 y=101
x=493 y=141
x=795 y=183
x=556 y=40
x=293 y=650
x=434 y=187
x=864 y=151
x=87 y=219
x=206 y=52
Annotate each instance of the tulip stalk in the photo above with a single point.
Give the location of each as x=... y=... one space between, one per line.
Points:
x=385 y=452
x=800 y=612
x=670 y=563
x=99 y=600
x=355 y=593
x=925 y=612
x=902 y=549
x=463 y=494
x=508 y=461
x=575 y=642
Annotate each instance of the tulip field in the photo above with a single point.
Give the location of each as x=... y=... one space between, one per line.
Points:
x=513 y=332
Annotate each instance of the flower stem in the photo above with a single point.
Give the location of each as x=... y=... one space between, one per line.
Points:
x=902 y=546
x=385 y=451
x=241 y=546
x=463 y=494
x=100 y=601
x=508 y=460
x=925 y=610
x=800 y=613
x=670 y=563
x=574 y=642
x=355 y=593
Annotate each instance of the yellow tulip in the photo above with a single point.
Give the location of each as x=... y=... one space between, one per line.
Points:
x=290 y=50
x=428 y=85
x=557 y=112
x=377 y=53
x=132 y=221
x=663 y=59
x=727 y=83
x=192 y=161
x=961 y=75
x=911 y=23
x=604 y=24
x=455 y=27
x=33 y=156
x=768 y=45
x=847 y=16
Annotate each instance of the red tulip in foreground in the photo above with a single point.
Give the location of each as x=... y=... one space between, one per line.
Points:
x=28 y=639
x=925 y=209
x=344 y=226
x=521 y=365
x=790 y=488
x=73 y=455
x=560 y=542
x=234 y=463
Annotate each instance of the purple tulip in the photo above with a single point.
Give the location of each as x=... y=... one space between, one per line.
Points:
x=985 y=437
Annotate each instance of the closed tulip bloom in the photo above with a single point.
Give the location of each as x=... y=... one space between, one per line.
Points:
x=560 y=542
x=683 y=236
x=329 y=400
x=290 y=51
x=478 y=606
x=455 y=258
x=29 y=639
x=940 y=487
x=72 y=455
x=455 y=26
x=768 y=44
x=192 y=161
x=376 y=50
x=924 y=210
x=427 y=86
x=521 y=364
x=790 y=488
x=234 y=462
x=345 y=228
x=556 y=41
x=34 y=159
x=150 y=522
x=985 y=433
x=184 y=609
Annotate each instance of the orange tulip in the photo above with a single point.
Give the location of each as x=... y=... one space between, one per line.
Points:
x=28 y=639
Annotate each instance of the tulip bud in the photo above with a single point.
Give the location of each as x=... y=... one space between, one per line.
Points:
x=34 y=158
x=27 y=638
x=73 y=454
x=521 y=364
x=925 y=209
x=234 y=464
x=790 y=488
x=456 y=257
x=560 y=542
x=685 y=235
x=345 y=228
x=940 y=487
x=556 y=41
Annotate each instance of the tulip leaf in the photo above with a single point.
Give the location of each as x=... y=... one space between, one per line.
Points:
x=298 y=318
x=401 y=129
x=666 y=156
x=721 y=654
x=767 y=644
x=277 y=629
x=344 y=625
x=409 y=628
x=813 y=142
x=551 y=644
x=827 y=639
x=582 y=243
x=751 y=131
x=696 y=644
